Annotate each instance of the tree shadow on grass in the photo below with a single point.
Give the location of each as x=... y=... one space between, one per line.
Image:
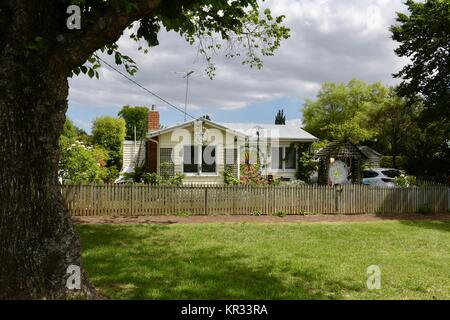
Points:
x=145 y=263
x=429 y=224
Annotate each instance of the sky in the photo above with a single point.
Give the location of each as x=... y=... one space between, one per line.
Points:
x=331 y=40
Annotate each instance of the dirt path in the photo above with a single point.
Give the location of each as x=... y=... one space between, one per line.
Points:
x=254 y=219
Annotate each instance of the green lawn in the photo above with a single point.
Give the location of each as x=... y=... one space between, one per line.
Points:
x=269 y=261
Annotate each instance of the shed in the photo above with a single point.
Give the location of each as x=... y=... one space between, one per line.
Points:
x=344 y=151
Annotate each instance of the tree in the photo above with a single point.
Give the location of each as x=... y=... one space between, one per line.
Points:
x=39 y=50
x=136 y=118
x=395 y=124
x=280 y=118
x=341 y=111
x=109 y=133
x=424 y=37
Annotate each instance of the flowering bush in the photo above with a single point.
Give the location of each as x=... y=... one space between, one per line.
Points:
x=79 y=164
x=404 y=181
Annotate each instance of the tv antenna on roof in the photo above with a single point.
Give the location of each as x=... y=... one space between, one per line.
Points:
x=186 y=75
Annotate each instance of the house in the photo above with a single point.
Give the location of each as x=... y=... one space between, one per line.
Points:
x=202 y=149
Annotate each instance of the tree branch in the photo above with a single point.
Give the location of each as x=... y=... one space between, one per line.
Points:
x=102 y=28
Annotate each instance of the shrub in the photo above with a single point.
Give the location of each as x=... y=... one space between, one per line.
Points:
x=305 y=163
x=229 y=178
x=78 y=164
x=177 y=179
x=257 y=213
x=303 y=212
x=280 y=214
x=424 y=208
x=165 y=171
x=276 y=182
x=405 y=181
x=110 y=174
x=152 y=178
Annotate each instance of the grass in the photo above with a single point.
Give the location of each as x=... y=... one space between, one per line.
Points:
x=269 y=261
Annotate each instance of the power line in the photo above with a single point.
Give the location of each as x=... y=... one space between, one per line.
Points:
x=144 y=88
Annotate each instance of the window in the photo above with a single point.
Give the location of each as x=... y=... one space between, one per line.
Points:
x=391 y=173
x=209 y=159
x=190 y=159
x=290 y=156
x=284 y=158
x=230 y=156
x=277 y=158
x=369 y=174
x=166 y=166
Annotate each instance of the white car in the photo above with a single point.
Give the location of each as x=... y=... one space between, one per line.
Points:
x=382 y=177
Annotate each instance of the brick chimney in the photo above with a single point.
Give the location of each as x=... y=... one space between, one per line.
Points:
x=153 y=119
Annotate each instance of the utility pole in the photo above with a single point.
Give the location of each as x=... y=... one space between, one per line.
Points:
x=187 y=90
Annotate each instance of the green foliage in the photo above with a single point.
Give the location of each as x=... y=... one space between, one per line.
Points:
x=387 y=162
x=137 y=175
x=305 y=165
x=78 y=164
x=109 y=133
x=109 y=174
x=69 y=130
x=424 y=37
x=280 y=214
x=303 y=212
x=177 y=179
x=152 y=178
x=156 y=179
x=276 y=182
x=395 y=124
x=404 y=181
x=280 y=118
x=229 y=178
x=341 y=111
x=183 y=213
x=256 y=213
x=165 y=171
x=237 y=28
x=135 y=117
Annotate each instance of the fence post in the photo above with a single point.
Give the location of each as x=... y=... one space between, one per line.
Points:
x=336 y=200
x=337 y=197
x=132 y=198
x=206 y=200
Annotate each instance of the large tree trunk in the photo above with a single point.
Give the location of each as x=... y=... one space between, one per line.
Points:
x=38 y=241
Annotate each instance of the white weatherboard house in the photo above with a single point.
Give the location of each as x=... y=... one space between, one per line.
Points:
x=202 y=149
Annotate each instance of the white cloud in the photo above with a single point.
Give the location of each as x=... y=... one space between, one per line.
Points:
x=332 y=40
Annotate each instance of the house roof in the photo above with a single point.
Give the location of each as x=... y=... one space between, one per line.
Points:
x=340 y=149
x=191 y=122
x=273 y=131
x=266 y=131
x=369 y=152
